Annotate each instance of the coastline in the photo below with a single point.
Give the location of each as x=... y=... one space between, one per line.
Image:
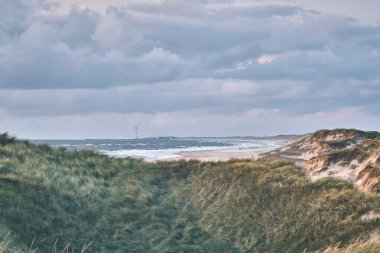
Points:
x=221 y=154
x=168 y=149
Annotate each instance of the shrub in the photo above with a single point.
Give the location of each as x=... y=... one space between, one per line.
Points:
x=6 y=139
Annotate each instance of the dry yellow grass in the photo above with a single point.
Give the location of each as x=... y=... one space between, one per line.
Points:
x=357 y=247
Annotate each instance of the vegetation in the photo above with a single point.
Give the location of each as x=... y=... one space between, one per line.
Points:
x=348 y=134
x=357 y=247
x=271 y=207
x=60 y=199
x=6 y=139
x=344 y=155
x=57 y=197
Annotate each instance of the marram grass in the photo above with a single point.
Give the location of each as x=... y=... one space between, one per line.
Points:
x=356 y=247
x=56 y=198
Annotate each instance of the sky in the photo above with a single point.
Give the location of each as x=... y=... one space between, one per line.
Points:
x=95 y=68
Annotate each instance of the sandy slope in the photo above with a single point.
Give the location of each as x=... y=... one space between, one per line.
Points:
x=347 y=154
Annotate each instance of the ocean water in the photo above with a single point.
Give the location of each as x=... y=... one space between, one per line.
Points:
x=161 y=147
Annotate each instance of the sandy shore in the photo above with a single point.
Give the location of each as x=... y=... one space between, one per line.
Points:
x=222 y=155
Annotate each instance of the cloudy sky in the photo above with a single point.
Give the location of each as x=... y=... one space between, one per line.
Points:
x=94 y=68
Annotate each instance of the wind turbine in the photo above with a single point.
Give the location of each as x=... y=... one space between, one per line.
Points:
x=136 y=130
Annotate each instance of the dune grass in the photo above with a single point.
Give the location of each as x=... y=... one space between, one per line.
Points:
x=56 y=198
x=356 y=247
x=269 y=206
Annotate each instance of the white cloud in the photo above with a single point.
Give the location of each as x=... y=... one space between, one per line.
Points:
x=267 y=58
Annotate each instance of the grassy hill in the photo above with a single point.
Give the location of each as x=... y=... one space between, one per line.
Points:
x=59 y=199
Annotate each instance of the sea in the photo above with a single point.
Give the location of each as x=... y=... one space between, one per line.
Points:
x=161 y=148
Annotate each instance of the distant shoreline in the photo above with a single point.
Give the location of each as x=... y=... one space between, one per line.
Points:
x=172 y=149
x=222 y=155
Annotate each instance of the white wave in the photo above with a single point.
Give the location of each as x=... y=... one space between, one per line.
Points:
x=162 y=154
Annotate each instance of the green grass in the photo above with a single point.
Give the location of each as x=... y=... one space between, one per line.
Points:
x=56 y=198
x=344 y=155
x=349 y=134
x=80 y=197
x=269 y=206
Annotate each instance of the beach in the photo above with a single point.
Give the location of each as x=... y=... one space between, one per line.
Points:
x=222 y=155
x=174 y=149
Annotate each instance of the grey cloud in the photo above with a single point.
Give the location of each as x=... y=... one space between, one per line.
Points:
x=85 y=49
x=161 y=97
x=219 y=96
x=181 y=58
